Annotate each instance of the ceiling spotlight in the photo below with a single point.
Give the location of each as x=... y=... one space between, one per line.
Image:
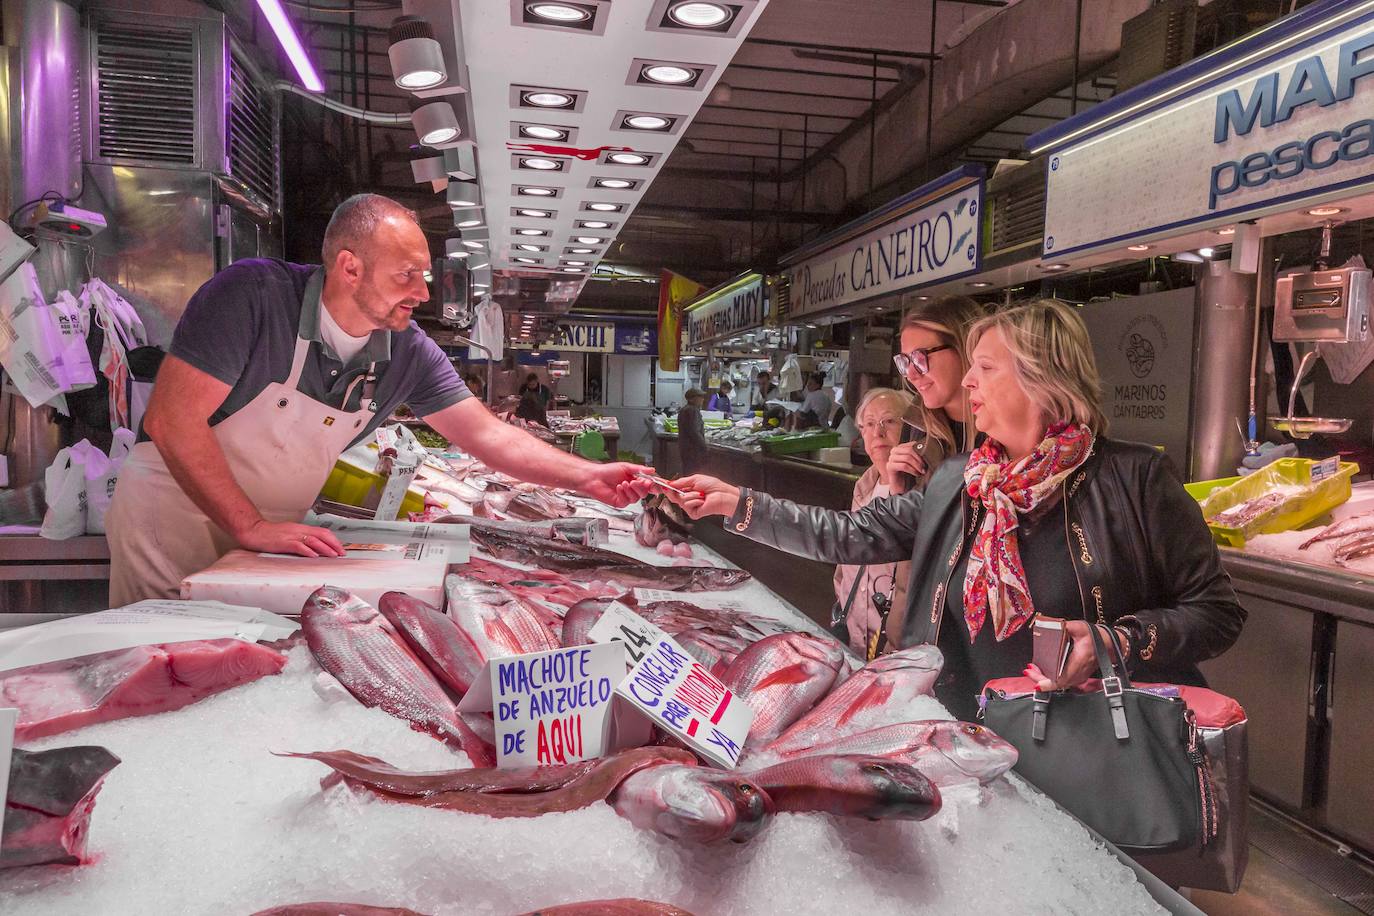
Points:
x=576 y=263
x=1325 y=211
x=469 y=224
x=474 y=244
x=453 y=245
x=697 y=15
x=1188 y=257
x=540 y=132
x=582 y=251
x=1206 y=252
x=646 y=122
x=462 y=193
x=558 y=12
x=980 y=283
x=1229 y=230
x=537 y=192
x=435 y=123
x=671 y=74
x=593 y=224
x=530 y=247
x=537 y=214
x=616 y=184
x=572 y=270
x=525 y=260
x=417 y=58
x=604 y=208
x=588 y=240
x=543 y=98
x=531 y=232
x=1047 y=267
x=540 y=163
x=1137 y=247
x=628 y=158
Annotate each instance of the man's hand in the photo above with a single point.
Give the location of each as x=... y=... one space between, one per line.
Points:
x=706 y=496
x=617 y=484
x=1082 y=663
x=288 y=537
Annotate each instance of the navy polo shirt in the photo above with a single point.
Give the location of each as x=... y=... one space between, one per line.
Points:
x=241 y=327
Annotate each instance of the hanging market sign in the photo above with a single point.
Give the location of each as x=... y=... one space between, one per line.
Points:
x=629 y=338
x=1271 y=124
x=929 y=235
x=729 y=309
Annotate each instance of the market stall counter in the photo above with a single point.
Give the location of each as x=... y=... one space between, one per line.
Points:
x=198 y=762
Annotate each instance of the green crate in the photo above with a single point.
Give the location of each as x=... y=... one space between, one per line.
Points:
x=797 y=443
x=1217 y=496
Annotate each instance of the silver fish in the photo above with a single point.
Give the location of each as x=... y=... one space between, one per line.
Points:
x=693 y=803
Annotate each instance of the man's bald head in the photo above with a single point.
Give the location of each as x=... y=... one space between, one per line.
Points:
x=355 y=224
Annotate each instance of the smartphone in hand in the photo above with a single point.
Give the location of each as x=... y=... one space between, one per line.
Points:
x=1050 y=646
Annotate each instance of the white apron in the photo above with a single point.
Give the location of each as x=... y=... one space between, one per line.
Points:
x=280 y=448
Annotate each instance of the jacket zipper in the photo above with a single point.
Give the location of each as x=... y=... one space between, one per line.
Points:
x=1073 y=561
x=937 y=614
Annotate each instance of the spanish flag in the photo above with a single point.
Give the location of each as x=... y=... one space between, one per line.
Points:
x=674 y=291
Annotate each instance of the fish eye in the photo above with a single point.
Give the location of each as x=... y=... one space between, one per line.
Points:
x=971 y=729
x=745 y=788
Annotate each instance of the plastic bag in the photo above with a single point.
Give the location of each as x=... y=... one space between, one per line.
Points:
x=124 y=331
x=65 y=482
x=100 y=481
x=42 y=345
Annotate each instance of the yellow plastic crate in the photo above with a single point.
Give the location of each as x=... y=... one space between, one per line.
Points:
x=352 y=486
x=1216 y=496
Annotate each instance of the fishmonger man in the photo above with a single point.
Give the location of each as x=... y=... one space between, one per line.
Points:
x=275 y=369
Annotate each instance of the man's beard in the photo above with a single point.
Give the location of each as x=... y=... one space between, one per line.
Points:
x=370 y=303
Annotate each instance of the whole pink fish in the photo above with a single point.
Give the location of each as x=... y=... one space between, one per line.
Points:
x=448 y=652
x=851 y=786
x=881 y=693
x=497 y=622
x=336 y=909
x=781 y=677
x=580 y=619
x=355 y=643
x=947 y=752
x=693 y=803
x=375 y=773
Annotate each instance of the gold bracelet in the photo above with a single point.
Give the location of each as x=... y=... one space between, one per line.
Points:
x=748 y=513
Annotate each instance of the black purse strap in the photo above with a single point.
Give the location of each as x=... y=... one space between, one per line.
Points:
x=1113 y=683
x=849 y=602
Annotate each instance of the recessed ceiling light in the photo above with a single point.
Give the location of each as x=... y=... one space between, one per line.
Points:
x=530 y=247
x=1229 y=230
x=540 y=132
x=469 y=223
x=526 y=260
x=646 y=122
x=588 y=240
x=604 y=208
x=593 y=224
x=1047 y=267
x=540 y=163
x=698 y=15
x=614 y=183
x=572 y=270
x=544 y=98
x=582 y=250
x=923 y=298
x=980 y=283
x=1206 y=252
x=537 y=192
x=576 y=263
x=1137 y=247
x=537 y=214
x=628 y=158
x=670 y=74
x=558 y=12
x=1325 y=211
x=473 y=244
x=531 y=232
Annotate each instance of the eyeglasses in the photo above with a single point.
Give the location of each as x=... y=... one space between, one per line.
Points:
x=882 y=426
x=918 y=360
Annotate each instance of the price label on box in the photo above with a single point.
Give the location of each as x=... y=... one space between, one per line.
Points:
x=679 y=695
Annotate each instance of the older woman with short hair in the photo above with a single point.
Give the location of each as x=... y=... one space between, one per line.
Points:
x=1048 y=516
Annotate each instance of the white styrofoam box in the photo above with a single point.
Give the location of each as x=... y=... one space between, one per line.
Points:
x=837 y=455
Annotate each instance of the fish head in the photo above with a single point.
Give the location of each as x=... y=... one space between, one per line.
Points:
x=890 y=789
x=327 y=598
x=752 y=806
x=973 y=750
x=718 y=805
x=924 y=657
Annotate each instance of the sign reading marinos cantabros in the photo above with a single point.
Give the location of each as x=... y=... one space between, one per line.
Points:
x=938 y=241
x=1276 y=128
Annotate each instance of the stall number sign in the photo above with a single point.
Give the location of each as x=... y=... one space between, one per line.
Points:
x=553 y=707
x=620 y=624
x=1293 y=129
x=939 y=241
x=680 y=696
x=735 y=310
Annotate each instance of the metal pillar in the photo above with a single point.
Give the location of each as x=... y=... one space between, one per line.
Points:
x=1221 y=366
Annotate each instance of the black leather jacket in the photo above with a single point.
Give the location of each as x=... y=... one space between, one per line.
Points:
x=1140 y=549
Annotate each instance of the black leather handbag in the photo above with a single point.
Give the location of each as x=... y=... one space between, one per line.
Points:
x=1126 y=762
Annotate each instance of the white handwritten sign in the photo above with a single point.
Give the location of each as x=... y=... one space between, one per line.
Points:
x=620 y=624
x=552 y=707
x=683 y=698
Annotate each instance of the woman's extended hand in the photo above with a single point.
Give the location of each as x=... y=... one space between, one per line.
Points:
x=705 y=496
x=1082 y=663
x=904 y=459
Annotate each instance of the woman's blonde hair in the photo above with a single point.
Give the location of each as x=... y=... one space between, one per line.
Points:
x=951 y=317
x=1054 y=360
x=900 y=399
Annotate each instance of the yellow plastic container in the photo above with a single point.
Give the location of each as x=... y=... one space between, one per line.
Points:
x=1316 y=500
x=352 y=486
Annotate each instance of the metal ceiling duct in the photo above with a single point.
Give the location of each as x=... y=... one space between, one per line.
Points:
x=44 y=108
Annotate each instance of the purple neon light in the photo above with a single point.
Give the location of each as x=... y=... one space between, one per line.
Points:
x=286 y=35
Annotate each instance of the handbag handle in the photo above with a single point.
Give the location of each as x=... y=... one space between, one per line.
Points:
x=843 y=616
x=1112 y=684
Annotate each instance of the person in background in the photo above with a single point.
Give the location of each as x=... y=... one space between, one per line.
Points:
x=721 y=399
x=531 y=408
x=691 y=432
x=765 y=389
x=541 y=392
x=867 y=596
x=816 y=404
x=476 y=384
x=1047 y=516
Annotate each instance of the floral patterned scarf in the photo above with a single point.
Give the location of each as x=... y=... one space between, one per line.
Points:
x=996 y=582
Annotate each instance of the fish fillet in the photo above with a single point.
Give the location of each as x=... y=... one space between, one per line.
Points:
x=60 y=696
x=48 y=808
